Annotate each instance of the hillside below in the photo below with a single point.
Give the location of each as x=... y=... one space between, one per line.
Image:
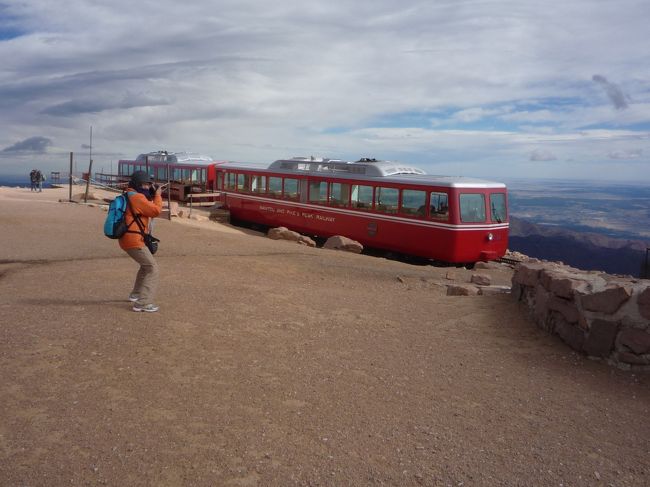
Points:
x=588 y=251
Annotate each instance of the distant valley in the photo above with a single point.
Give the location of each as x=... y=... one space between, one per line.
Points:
x=591 y=226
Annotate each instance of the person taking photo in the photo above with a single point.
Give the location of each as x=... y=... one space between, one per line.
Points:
x=144 y=204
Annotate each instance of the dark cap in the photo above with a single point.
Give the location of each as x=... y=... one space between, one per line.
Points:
x=138 y=178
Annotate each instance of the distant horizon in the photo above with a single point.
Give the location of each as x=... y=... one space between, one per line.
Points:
x=14 y=175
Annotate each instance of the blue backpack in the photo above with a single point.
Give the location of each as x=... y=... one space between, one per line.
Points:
x=115 y=225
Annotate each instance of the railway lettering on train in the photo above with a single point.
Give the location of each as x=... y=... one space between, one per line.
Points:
x=382 y=204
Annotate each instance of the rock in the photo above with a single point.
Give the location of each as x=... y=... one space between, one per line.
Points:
x=564 y=287
x=486 y=265
x=636 y=340
x=572 y=335
x=461 y=290
x=492 y=290
x=450 y=275
x=283 y=233
x=481 y=279
x=527 y=273
x=173 y=208
x=80 y=196
x=338 y=242
x=540 y=310
x=304 y=240
x=632 y=358
x=182 y=213
x=600 y=338
x=565 y=308
x=199 y=218
x=607 y=301
x=643 y=301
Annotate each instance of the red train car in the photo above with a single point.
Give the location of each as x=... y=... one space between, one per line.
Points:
x=381 y=204
x=186 y=172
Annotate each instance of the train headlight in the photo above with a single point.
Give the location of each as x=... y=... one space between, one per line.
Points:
x=490 y=237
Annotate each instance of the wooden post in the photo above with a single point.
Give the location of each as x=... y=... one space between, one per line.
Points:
x=70 y=180
x=90 y=172
x=169 y=194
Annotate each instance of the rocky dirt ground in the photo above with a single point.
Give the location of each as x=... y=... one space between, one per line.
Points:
x=276 y=364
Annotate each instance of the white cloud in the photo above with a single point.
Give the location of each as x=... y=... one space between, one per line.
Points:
x=542 y=155
x=256 y=81
x=626 y=154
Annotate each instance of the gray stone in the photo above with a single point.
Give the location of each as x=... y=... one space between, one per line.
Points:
x=564 y=287
x=636 y=340
x=571 y=334
x=566 y=308
x=643 y=301
x=481 y=279
x=607 y=301
x=600 y=338
x=540 y=310
x=527 y=273
x=492 y=290
x=634 y=359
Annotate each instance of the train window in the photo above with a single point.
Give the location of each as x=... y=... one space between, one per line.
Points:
x=498 y=210
x=361 y=197
x=414 y=202
x=339 y=194
x=318 y=192
x=275 y=186
x=290 y=190
x=219 y=180
x=386 y=200
x=243 y=182
x=231 y=180
x=258 y=184
x=160 y=173
x=472 y=207
x=439 y=206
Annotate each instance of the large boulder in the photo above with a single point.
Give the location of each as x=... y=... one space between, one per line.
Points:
x=339 y=242
x=283 y=233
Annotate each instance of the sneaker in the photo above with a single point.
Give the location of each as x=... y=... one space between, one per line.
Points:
x=133 y=297
x=148 y=308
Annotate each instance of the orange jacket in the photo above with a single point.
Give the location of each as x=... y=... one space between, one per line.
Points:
x=145 y=209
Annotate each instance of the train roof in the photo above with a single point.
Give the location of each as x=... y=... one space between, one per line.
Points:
x=365 y=169
x=190 y=158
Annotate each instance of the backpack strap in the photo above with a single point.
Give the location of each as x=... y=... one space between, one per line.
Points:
x=136 y=218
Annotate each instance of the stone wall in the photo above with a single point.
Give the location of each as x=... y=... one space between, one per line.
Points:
x=600 y=315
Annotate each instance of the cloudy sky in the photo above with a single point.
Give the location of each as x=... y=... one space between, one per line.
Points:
x=488 y=88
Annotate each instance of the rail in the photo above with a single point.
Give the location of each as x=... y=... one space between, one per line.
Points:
x=192 y=196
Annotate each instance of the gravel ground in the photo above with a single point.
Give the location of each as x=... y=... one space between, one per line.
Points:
x=274 y=364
